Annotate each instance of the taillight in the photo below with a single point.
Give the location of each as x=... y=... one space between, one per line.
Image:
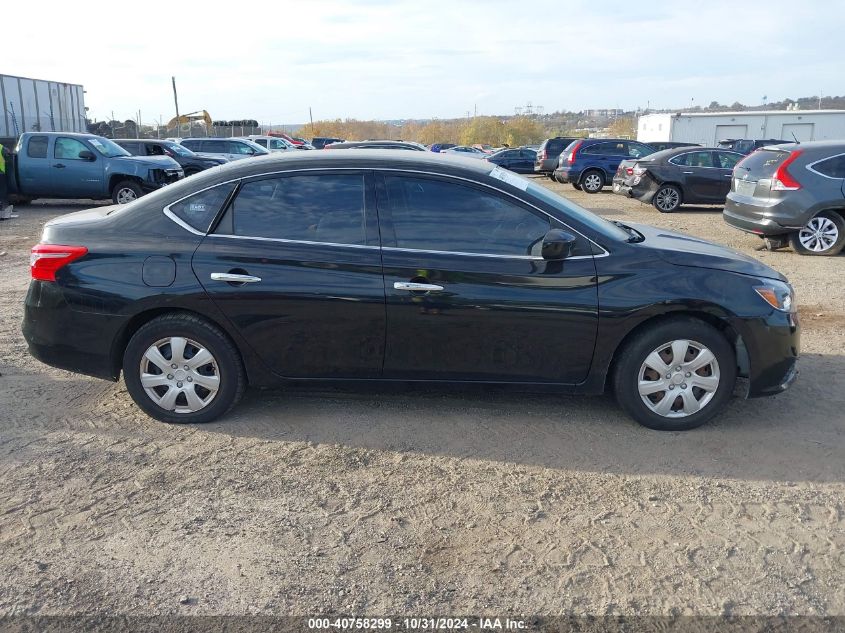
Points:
x=46 y=259
x=571 y=157
x=543 y=155
x=629 y=171
x=783 y=180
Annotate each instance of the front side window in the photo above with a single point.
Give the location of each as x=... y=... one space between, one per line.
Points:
x=275 y=143
x=240 y=148
x=192 y=144
x=214 y=147
x=68 y=148
x=322 y=208
x=444 y=216
x=37 y=147
x=199 y=209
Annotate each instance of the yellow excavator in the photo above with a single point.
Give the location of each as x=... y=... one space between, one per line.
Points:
x=190 y=117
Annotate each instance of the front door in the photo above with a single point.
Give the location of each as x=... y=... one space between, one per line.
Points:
x=489 y=308
x=77 y=177
x=295 y=266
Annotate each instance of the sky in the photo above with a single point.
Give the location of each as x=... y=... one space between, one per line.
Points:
x=402 y=59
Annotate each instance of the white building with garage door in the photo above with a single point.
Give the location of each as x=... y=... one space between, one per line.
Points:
x=708 y=128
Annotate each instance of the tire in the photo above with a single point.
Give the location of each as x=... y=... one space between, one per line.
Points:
x=552 y=177
x=575 y=185
x=824 y=234
x=654 y=345
x=126 y=191
x=216 y=385
x=592 y=181
x=667 y=198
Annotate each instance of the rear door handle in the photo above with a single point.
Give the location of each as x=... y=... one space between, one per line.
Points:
x=59 y=166
x=413 y=286
x=689 y=172
x=235 y=278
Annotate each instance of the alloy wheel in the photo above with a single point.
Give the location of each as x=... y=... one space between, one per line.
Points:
x=678 y=378
x=592 y=182
x=179 y=374
x=819 y=234
x=667 y=199
x=126 y=195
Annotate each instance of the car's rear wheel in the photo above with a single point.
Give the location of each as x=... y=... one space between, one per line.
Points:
x=576 y=186
x=667 y=199
x=181 y=369
x=126 y=191
x=592 y=181
x=552 y=177
x=675 y=375
x=824 y=234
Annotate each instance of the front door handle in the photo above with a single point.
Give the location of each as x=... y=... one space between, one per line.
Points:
x=235 y=278
x=689 y=172
x=59 y=166
x=416 y=287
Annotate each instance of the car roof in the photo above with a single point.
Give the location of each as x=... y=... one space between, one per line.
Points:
x=143 y=140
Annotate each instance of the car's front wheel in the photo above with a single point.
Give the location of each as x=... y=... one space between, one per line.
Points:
x=180 y=368
x=576 y=186
x=675 y=375
x=126 y=191
x=824 y=234
x=592 y=181
x=667 y=199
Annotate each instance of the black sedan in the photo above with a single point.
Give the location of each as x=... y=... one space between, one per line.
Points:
x=190 y=162
x=519 y=160
x=399 y=266
x=683 y=175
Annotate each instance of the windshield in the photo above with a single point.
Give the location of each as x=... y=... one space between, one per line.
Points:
x=588 y=218
x=108 y=148
x=179 y=149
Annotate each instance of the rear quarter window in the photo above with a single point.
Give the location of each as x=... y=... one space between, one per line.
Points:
x=199 y=209
x=833 y=167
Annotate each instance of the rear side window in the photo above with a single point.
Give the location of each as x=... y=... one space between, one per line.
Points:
x=213 y=147
x=832 y=167
x=694 y=159
x=445 y=216
x=324 y=208
x=37 y=147
x=199 y=209
x=191 y=144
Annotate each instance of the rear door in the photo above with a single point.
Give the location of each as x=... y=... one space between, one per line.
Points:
x=35 y=168
x=490 y=308
x=700 y=178
x=295 y=266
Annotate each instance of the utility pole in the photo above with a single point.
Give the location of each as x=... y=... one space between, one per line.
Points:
x=820 y=99
x=176 y=103
x=311 y=118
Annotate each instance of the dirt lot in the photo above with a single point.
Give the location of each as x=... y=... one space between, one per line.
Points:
x=312 y=502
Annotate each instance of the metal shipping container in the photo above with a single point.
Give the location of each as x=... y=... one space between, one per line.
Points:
x=36 y=105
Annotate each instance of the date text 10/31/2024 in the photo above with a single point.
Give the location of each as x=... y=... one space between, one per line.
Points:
x=418 y=624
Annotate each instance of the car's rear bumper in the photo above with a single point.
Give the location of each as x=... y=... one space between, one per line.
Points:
x=564 y=174
x=758 y=219
x=67 y=338
x=546 y=166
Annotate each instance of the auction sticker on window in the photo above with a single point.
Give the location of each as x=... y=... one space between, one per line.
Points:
x=509 y=177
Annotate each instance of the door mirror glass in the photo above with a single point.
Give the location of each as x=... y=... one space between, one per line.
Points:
x=87 y=155
x=557 y=244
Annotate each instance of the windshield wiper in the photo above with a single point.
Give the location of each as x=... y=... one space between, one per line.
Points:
x=635 y=236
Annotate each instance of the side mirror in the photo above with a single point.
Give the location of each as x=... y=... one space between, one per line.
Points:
x=557 y=245
x=87 y=155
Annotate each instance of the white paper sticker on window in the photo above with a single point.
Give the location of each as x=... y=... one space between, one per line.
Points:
x=509 y=177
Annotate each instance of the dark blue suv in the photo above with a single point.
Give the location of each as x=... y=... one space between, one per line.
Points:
x=589 y=164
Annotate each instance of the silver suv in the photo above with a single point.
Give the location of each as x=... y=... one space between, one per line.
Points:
x=793 y=192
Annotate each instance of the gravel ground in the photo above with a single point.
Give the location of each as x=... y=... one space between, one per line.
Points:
x=421 y=501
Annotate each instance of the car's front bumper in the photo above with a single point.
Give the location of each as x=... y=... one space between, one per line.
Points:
x=773 y=345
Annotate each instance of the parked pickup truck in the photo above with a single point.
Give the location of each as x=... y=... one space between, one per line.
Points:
x=65 y=165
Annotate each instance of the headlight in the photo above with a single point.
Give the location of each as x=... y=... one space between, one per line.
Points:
x=777 y=294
